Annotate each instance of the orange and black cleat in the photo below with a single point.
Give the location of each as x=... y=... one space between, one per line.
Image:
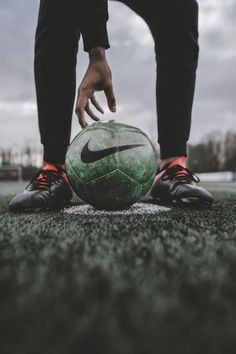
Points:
x=175 y=183
x=48 y=190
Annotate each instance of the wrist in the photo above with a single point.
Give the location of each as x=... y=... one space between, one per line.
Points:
x=97 y=53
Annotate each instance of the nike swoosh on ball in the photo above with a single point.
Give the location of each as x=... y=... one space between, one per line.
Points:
x=88 y=156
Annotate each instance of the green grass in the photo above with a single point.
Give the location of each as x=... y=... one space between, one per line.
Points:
x=119 y=284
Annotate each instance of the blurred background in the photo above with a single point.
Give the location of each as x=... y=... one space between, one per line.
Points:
x=212 y=145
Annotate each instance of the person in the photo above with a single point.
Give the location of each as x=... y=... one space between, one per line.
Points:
x=174 y=27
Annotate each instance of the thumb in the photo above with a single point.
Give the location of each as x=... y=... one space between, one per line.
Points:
x=111 y=101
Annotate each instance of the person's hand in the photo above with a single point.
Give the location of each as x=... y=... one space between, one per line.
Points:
x=97 y=78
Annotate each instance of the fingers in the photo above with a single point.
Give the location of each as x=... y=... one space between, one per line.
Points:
x=110 y=98
x=96 y=104
x=81 y=103
x=82 y=106
x=90 y=113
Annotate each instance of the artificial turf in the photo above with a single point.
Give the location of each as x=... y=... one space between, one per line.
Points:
x=153 y=283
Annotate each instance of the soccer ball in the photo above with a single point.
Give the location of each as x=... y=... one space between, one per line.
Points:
x=111 y=165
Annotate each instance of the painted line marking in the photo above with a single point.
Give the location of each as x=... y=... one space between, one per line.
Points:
x=136 y=209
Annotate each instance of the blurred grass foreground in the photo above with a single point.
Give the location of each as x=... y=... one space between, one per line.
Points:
x=154 y=282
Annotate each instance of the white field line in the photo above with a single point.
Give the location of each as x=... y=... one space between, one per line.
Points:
x=136 y=209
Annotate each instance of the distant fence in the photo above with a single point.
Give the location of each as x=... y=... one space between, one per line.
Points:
x=17 y=172
x=10 y=173
x=226 y=176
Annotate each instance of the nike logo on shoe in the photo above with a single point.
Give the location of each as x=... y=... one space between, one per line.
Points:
x=88 y=156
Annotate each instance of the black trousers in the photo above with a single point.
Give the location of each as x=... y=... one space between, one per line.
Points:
x=174 y=26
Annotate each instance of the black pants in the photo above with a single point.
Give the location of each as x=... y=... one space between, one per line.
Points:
x=174 y=26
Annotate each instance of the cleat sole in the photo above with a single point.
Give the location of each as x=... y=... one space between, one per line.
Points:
x=191 y=202
x=38 y=210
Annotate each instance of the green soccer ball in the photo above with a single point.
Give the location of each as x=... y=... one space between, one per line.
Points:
x=111 y=165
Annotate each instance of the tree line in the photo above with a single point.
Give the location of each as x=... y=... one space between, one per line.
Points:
x=215 y=153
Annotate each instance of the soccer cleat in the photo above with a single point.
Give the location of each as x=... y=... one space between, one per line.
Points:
x=175 y=183
x=48 y=190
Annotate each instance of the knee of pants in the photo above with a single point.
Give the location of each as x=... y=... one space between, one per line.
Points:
x=52 y=36
x=54 y=46
x=182 y=10
x=52 y=39
x=176 y=36
x=56 y=25
x=57 y=11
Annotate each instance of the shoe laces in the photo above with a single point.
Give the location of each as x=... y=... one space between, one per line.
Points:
x=44 y=179
x=180 y=175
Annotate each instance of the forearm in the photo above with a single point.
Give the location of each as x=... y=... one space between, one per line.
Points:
x=97 y=53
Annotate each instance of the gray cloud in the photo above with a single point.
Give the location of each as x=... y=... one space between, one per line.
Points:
x=132 y=61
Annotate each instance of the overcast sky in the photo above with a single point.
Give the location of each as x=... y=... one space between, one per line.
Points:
x=131 y=59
